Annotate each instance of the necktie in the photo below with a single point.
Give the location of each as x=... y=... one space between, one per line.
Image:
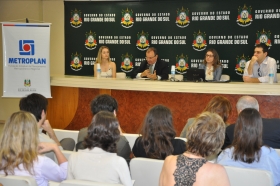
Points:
x=151 y=69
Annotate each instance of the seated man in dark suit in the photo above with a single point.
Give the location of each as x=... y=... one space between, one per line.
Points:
x=106 y=102
x=271 y=127
x=153 y=67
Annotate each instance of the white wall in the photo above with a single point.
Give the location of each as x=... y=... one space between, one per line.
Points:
x=51 y=11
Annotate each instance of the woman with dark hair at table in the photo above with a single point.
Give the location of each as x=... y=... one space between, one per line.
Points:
x=206 y=137
x=247 y=149
x=158 y=135
x=212 y=65
x=99 y=161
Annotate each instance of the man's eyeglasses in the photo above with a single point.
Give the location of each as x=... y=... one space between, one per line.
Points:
x=259 y=72
x=150 y=57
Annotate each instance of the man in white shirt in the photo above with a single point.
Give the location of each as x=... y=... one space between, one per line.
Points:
x=258 y=68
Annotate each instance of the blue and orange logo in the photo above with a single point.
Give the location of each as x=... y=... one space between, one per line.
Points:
x=26 y=47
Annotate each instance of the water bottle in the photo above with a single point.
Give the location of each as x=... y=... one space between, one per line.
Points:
x=98 y=70
x=271 y=75
x=172 y=73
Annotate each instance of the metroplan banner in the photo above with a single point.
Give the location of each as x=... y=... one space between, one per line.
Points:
x=26 y=59
x=182 y=31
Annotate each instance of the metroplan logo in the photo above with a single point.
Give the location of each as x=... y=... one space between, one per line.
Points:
x=26 y=47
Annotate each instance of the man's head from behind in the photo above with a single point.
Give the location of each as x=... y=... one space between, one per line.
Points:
x=34 y=103
x=104 y=102
x=247 y=102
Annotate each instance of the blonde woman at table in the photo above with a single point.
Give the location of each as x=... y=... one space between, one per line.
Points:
x=108 y=68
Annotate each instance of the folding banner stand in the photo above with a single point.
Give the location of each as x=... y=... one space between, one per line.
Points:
x=26 y=59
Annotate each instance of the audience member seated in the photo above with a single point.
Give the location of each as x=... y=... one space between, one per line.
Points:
x=37 y=104
x=219 y=105
x=106 y=102
x=205 y=137
x=158 y=135
x=271 y=127
x=20 y=148
x=247 y=149
x=99 y=161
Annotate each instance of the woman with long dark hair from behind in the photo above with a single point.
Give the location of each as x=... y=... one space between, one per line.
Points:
x=19 y=154
x=99 y=161
x=247 y=149
x=158 y=135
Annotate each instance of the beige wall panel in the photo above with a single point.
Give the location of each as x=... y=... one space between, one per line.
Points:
x=51 y=11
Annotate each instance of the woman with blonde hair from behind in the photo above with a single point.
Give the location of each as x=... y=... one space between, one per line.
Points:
x=108 y=68
x=20 y=148
x=205 y=137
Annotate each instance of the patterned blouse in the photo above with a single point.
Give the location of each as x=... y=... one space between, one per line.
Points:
x=185 y=173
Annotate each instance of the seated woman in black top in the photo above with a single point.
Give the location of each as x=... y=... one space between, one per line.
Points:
x=158 y=136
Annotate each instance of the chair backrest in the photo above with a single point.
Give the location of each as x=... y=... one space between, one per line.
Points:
x=131 y=138
x=66 y=153
x=178 y=77
x=120 y=75
x=61 y=134
x=278 y=76
x=85 y=183
x=278 y=151
x=225 y=77
x=249 y=177
x=145 y=171
x=17 y=180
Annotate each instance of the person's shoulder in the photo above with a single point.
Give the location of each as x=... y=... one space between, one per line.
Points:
x=271 y=58
x=122 y=140
x=112 y=63
x=179 y=144
x=215 y=170
x=170 y=159
x=274 y=121
x=230 y=127
x=191 y=120
x=44 y=160
x=267 y=151
x=220 y=66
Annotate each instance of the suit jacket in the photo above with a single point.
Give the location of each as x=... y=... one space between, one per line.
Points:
x=161 y=68
x=216 y=74
x=271 y=133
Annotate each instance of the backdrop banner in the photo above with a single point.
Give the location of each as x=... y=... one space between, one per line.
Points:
x=182 y=31
x=26 y=59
